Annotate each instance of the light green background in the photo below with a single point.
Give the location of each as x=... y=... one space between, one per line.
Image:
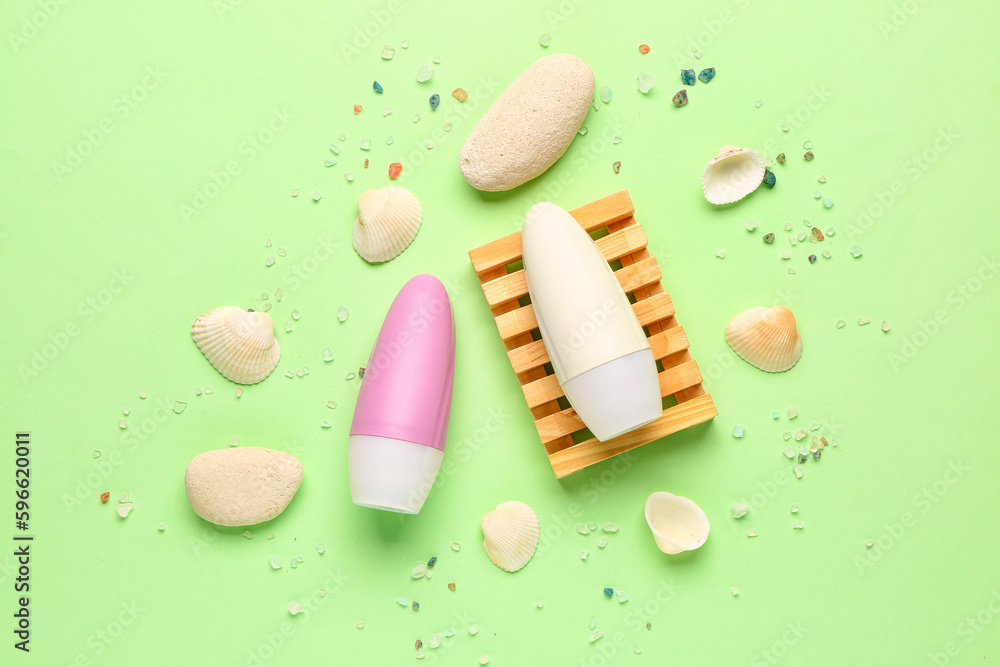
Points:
x=893 y=95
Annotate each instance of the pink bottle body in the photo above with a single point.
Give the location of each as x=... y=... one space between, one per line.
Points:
x=401 y=419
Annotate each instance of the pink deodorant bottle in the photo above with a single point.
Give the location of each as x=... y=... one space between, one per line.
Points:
x=401 y=420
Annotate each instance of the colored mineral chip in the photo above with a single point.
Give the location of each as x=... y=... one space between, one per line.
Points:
x=357 y=109
x=435 y=100
x=460 y=94
x=688 y=77
x=377 y=86
x=681 y=98
x=706 y=74
x=395 y=169
x=780 y=158
x=644 y=48
x=769 y=179
x=617 y=166
x=808 y=155
x=769 y=238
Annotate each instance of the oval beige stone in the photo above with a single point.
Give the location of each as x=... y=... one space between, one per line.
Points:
x=530 y=125
x=243 y=485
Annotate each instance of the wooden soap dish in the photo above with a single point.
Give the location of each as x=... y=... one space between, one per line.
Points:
x=639 y=276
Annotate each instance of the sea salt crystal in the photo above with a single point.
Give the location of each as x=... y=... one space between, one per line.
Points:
x=645 y=82
x=739 y=510
x=737 y=431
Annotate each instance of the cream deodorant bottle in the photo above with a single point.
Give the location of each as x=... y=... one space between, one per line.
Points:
x=398 y=434
x=598 y=350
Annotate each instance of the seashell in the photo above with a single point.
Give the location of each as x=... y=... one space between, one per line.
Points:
x=388 y=221
x=732 y=175
x=510 y=535
x=678 y=524
x=239 y=343
x=766 y=338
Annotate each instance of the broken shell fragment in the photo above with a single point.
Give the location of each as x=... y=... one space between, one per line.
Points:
x=388 y=221
x=732 y=174
x=239 y=343
x=766 y=338
x=510 y=535
x=678 y=524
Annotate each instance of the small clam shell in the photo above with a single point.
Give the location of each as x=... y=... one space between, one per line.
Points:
x=510 y=535
x=732 y=175
x=766 y=338
x=677 y=523
x=388 y=221
x=239 y=343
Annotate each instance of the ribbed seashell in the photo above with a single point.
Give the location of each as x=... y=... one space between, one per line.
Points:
x=766 y=338
x=732 y=175
x=678 y=524
x=239 y=343
x=388 y=220
x=510 y=535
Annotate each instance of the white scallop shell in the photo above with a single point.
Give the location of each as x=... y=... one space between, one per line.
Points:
x=510 y=535
x=240 y=344
x=678 y=524
x=388 y=220
x=732 y=175
x=766 y=338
